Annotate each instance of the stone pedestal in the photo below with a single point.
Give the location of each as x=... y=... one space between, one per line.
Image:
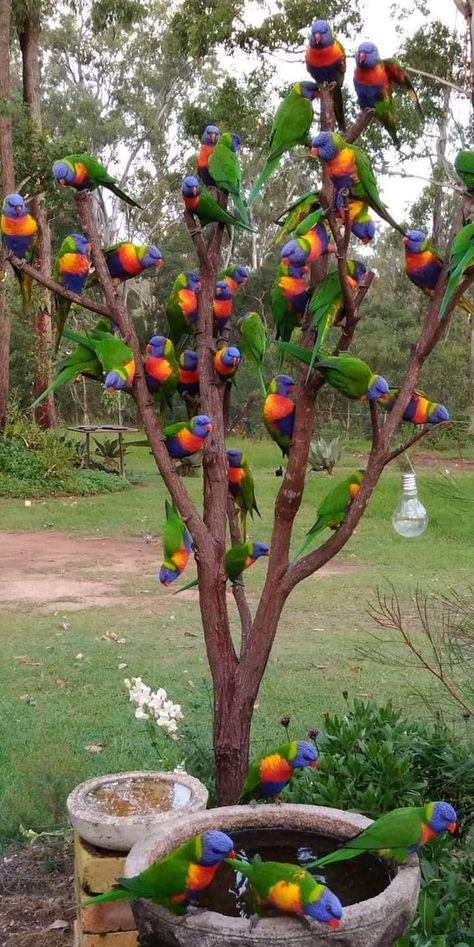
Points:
x=101 y=925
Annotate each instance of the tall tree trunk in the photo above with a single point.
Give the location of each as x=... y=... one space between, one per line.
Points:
x=441 y=144
x=28 y=34
x=8 y=185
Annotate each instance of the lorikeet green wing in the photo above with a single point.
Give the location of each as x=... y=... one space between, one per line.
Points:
x=291 y=125
x=367 y=189
x=225 y=169
x=461 y=258
x=399 y=76
x=81 y=362
x=99 y=176
x=209 y=211
x=254 y=343
x=333 y=508
x=294 y=214
x=393 y=834
x=246 y=501
x=286 y=751
x=464 y=164
x=309 y=221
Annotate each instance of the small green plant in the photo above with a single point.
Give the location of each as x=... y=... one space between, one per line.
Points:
x=324 y=455
x=108 y=450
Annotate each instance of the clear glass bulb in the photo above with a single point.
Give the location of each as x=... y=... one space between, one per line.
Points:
x=410 y=517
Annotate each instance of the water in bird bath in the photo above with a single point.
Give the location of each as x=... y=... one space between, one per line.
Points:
x=137 y=796
x=357 y=880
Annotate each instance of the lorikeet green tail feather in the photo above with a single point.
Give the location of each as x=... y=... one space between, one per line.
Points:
x=461 y=258
x=332 y=509
x=84 y=172
x=294 y=214
x=253 y=344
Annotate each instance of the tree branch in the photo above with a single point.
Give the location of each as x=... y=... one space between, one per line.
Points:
x=439 y=80
x=51 y=284
x=361 y=123
x=409 y=443
x=238 y=587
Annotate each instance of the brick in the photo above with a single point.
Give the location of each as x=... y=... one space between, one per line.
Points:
x=102 y=918
x=123 y=939
x=97 y=870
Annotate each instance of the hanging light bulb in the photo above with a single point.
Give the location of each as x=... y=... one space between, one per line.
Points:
x=410 y=517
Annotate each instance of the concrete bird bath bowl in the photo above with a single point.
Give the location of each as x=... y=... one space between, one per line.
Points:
x=379 y=897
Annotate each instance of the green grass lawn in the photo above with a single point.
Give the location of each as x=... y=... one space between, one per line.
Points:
x=53 y=705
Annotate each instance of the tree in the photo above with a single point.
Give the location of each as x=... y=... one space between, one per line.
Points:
x=8 y=185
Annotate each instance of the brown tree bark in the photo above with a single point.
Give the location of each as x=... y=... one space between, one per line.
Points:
x=28 y=33
x=8 y=185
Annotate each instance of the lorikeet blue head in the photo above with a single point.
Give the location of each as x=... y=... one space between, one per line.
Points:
x=231 y=356
x=308 y=90
x=235 y=142
x=81 y=243
x=63 y=173
x=240 y=274
x=222 y=290
x=210 y=135
x=191 y=187
x=413 y=240
x=284 y=385
x=367 y=55
x=115 y=382
x=323 y=146
x=327 y=909
x=159 y=346
x=321 y=34
x=215 y=847
x=152 y=257
x=193 y=282
x=442 y=817
x=377 y=389
x=439 y=415
x=189 y=360
x=359 y=273
x=234 y=457
x=201 y=425
x=306 y=755
x=259 y=549
x=295 y=253
x=364 y=230
x=14 y=206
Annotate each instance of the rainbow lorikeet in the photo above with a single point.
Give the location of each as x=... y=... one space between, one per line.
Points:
x=116 y=358
x=235 y=275
x=222 y=306
x=349 y=167
x=71 y=268
x=374 y=80
x=360 y=221
x=161 y=369
x=326 y=62
x=176 y=546
x=461 y=258
x=20 y=236
x=419 y=409
x=347 y=374
x=279 y=411
x=237 y=559
x=187 y=437
x=294 y=214
x=326 y=304
x=314 y=236
x=181 y=306
x=188 y=381
x=464 y=165
x=176 y=878
x=269 y=775
x=208 y=143
x=225 y=169
x=200 y=202
x=423 y=266
x=290 y=127
x=241 y=487
x=290 y=889
x=226 y=360
x=83 y=172
x=294 y=256
x=288 y=298
x=82 y=361
x=332 y=509
x=254 y=343
x=127 y=260
x=397 y=834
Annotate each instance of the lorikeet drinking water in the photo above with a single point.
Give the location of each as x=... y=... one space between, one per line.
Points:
x=224 y=168
x=423 y=266
x=200 y=202
x=279 y=411
x=181 y=306
x=176 y=546
x=254 y=343
x=208 y=143
x=176 y=878
x=333 y=509
x=186 y=438
x=241 y=487
x=419 y=409
x=20 y=236
x=127 y=260
x=269 y=775
x=290 y=889
x=71 y=268
x=374 y=80
x=83 y=172
x=326 y=63
x=188 y=381
x=397 y=834
x=227 y=360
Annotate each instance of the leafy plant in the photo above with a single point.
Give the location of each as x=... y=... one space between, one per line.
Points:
x=445 y=914
x=324 y=455
x=109 y=450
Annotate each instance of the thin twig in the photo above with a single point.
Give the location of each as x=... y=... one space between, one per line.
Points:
x=439 y=80
x=412 y=440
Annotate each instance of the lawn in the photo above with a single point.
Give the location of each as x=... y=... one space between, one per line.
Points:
x=56 y=705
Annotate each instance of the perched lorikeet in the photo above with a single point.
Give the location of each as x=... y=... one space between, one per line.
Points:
x=315 y=240
x=226 y=361
x=294 y=256
x=346 y=373
x=176 y=878
x=83 y=172
x=419 y=410
x=181 y=307
x=237 y=559
x=360 y=221
x=127 y=260
x=20 y=236
x=279 y=411
x=349 y=167
x=374 y=80
x=82 y=361
x=332 y=509
x=423 y=266
x=188 y=381
x=295 y=213
x=464 y=164
x=291 y=125
x=254 y=343
x=208 y=143
x=288 y=299
x=70 y=269
x=176 y=546
x=290 y=889
x=241 y=486
x=200 y=202
x=235 y=275
x=187 y=437
x=225 y=169
x=326 y=62
x=161 y=371
x=327 y=302
x=461 y=258
x=397 y=834
x=269 y=775
x=222 y=306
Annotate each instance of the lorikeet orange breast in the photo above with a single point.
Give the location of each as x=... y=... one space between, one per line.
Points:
x=324 y=63
x=342 y=169
x=278 y=412
x=371 y=85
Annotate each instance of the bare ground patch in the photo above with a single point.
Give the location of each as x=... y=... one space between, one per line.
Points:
x=36 y=891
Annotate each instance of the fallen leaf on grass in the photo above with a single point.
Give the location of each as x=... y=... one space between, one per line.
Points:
x=94 y=747
x=79 y=657
x=27 y=698
x=122 y=665
x=61 y=683
x=25 y=659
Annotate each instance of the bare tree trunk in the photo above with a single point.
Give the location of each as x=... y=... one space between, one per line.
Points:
x=28 y=34
x=8 y=185
x=441 y=144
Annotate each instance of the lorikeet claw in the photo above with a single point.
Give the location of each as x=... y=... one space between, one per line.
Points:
x=254 y=919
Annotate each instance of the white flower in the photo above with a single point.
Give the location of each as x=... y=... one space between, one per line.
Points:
x=154 y=704
x=141 y=715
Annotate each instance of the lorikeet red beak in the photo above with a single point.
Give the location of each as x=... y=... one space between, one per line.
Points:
x=452 y=827
x=158 y=263
x=18 y=211
x=362 y=57
x=317 y=37
x=314 y=152
x=405 y=241
x=62 y=182
x=334 y=923
x=232 y=854
x=314 y=764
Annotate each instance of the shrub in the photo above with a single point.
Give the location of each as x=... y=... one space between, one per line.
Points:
x=38 y=463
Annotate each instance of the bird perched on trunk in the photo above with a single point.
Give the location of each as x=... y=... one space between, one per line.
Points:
x=313 y=235
x=187 y=437
x=235 y=275
x=269 y=775
x=294 y=214
x=397 y=834
x=279 y=411
x=333 y=509
x=161 y=369
x=71 y=268
x=464 y=165
x=360 y=221
x=419 y=409
x=254 y=343
x=288 y=300
x=237 y=559
x=423 y=266
x=188 y=381
x=374 y=81
x=222 y=306
x=85 y=173
x=289 y=889
x=200 y=202
x=349 y=167
x=326 y=63
x=181 y=306
x=20 y=237
x=241 y=487
x=176 y=545
x=127 y=260
x=208 y=143
x=461 y=259
x=347 y=374
x=226 y=361
x=176 y=878
x=290 y=127
x=326 y=304
x=224 y=168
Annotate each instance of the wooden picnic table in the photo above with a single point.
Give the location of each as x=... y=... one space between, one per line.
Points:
x=119 y=429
